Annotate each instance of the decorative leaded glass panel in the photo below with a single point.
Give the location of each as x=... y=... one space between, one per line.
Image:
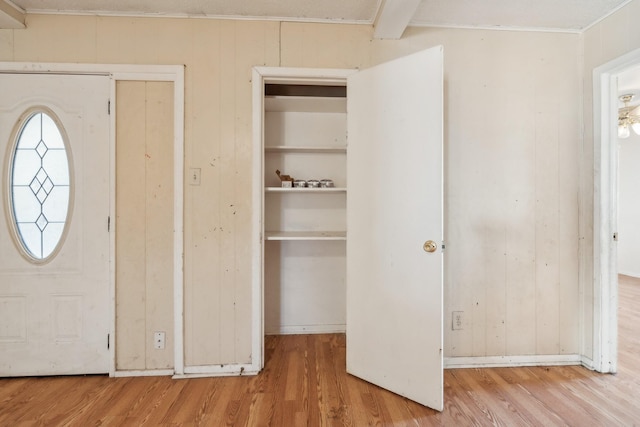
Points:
x=40 y=185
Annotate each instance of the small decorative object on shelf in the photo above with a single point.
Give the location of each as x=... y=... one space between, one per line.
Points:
x=326 y=183
x=299 y=183
x=285 y=180
x=313 y=183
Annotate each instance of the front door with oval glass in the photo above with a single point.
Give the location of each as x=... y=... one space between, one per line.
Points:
x=54 y=237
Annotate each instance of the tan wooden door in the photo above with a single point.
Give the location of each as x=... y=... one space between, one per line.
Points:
x=54 y=263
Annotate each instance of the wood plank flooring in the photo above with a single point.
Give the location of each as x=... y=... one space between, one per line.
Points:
x=304 y=384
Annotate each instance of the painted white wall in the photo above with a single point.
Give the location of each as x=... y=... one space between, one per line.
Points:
x=144 y=243
x=629 y=206
x=512 y=139
x=511 y=181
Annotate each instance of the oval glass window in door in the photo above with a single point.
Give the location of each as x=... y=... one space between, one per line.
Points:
x=40 y=184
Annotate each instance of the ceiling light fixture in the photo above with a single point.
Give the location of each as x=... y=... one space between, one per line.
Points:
x=628 y=117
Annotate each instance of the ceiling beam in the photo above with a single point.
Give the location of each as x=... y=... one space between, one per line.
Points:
x=10 y=16
x=393 y=18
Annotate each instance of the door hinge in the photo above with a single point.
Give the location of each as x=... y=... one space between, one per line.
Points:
x=615 y=237
x=109 y=107
x=443 y=246
x=108 y=341
x=108 y=224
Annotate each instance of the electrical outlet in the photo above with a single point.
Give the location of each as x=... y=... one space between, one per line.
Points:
x=457 y=320
x=158 y=340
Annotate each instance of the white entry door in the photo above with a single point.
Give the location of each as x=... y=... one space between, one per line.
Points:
x=394 y=173
x=54 y=238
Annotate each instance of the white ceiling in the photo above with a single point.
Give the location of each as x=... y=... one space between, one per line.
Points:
x=553 y=15
x=531 y=14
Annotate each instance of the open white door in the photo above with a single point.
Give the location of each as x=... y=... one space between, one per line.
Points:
x=394 y=174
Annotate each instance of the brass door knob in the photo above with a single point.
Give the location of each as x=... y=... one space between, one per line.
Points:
x=430 y=246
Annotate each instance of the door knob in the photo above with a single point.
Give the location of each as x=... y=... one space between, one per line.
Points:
x=430 y=246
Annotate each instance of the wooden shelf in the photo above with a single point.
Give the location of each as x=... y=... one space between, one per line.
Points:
x=295 y=149
x=305 y=190
x=305 y=235
x=305 y=104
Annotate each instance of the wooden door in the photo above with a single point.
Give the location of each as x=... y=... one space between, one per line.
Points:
x=394 y=206
x=54 y=251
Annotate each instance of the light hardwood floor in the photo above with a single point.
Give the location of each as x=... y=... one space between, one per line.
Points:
x=304 y=384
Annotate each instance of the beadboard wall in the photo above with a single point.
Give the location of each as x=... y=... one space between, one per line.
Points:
x=513 y=144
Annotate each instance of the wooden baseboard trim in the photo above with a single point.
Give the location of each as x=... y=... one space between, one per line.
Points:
x=512 y=361
x=145 y=373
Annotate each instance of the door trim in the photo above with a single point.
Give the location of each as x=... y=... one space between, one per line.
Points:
x=261 y=76
x=167 y=73
x=605 y=210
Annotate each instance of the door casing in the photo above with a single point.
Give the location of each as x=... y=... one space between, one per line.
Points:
x=605 y=210
x=172 y=73
x=262 y=76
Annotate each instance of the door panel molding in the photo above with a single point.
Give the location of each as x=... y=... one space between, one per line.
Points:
x=46 y=191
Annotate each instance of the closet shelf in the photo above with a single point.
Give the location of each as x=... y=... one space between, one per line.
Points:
x=299 y=149
x=305 y=104
x=305 y=190
x=305 y=235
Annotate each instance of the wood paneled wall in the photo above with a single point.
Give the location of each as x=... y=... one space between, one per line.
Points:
x=218 y=212
x=511 y=192
x=144 y=224
x=512 y=144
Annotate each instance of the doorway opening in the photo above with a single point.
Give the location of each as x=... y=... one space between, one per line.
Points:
x=628 y=211
x=393 y=278
x=608 y=79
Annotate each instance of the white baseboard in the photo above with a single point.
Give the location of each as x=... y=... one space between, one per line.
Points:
x=630 y=274
x=512 y=361
x=307 y=329
x=233 y=370
x=145 y=373
x=449 y=363
x=587 y=363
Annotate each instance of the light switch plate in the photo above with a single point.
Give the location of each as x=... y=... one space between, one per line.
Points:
x=194 y=176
